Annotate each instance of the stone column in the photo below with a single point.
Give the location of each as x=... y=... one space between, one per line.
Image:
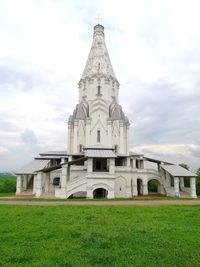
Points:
x=176 y=187
x=89 y=165
x=127 y=138
x=25 y=182
x=87 y=132
x=121 y=127
x=181 y=183
x=89 y=194
x=38 y=188
x=141 y=164
x=134 y=163
x=129 y=192
x=109 y=142
x=47 y=181
x=62 y=160
x=112 y=166
x=128 y=163
x=134 y=187
x=193 y=187
x=69 y=158
x=111 y=194
x=63 y=179
x=75 y=150
x=19 y=184
x=145 y=187
x=34 y=183
x=69 y=134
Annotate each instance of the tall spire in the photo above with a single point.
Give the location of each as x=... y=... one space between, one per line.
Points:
x=98 y=62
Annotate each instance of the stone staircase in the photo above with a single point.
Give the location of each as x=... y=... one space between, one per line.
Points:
x=184 y=194
x=77 y=185
x=26 y=194
x=48 y=195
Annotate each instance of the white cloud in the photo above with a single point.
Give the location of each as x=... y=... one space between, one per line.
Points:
x=3 y=150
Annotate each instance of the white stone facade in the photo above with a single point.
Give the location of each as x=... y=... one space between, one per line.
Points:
x=98 y=162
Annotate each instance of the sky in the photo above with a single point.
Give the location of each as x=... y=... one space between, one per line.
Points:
x=154 y=46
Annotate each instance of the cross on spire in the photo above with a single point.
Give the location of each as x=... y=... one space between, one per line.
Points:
x=99 y=19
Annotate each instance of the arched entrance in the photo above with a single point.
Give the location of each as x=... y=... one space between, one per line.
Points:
x=139 y=187
x=153 y=187
x=100 y=193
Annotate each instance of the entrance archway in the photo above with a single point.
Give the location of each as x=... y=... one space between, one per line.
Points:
x=153 y=186
x=100 y=193
x=139 y=187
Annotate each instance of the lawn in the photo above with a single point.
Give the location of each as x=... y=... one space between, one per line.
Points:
x=7 y=194
x=99 y=236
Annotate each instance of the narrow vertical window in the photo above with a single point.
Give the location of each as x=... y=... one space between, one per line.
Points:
x=98 y=90
x=98 y=136
x=80 y=148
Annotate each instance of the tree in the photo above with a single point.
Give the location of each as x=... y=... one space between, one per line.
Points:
x=185 y=166
x=198 y=182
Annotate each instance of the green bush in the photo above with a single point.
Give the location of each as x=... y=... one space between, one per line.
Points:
x=7 y=184
x=198 y=185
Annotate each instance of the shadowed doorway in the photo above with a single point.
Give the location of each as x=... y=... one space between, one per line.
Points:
x=100 y=193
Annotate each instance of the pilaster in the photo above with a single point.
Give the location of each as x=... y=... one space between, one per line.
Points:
x=134 y=187
x=109 y=123
x=87 y=134
x=19 y=184
x=176 y=187
x=63 y=178
x=69 y=137
x=89 y=165
x=39 y=189
x=193 y=187
x=75 y=149
x=181 y=183
x=112 y=166
x=145 y=187
x=111 y=194
x=121 y=128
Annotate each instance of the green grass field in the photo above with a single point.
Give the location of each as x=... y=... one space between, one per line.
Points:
x=7 y=184
x=99 y=236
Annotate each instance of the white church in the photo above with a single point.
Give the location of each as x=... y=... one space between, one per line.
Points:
x=98 y=163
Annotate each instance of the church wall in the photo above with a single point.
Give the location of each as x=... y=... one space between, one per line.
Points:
x=89 y=89
x=99 y=123
x=100 y=182
x=81 y=135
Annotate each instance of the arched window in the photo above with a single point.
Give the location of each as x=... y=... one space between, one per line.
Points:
x=98 y=136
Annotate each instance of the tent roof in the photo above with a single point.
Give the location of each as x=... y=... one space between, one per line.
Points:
x=33 y=166
x=178 y=171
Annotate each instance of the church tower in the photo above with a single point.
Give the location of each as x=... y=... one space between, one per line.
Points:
x=98 y=120
x=98 y=163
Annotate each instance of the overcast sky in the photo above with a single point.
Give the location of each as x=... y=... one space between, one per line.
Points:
x=154 y=46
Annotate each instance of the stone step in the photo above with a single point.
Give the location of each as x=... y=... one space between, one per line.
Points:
x=185 y=194
x=26 y=194
x=48 y=195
